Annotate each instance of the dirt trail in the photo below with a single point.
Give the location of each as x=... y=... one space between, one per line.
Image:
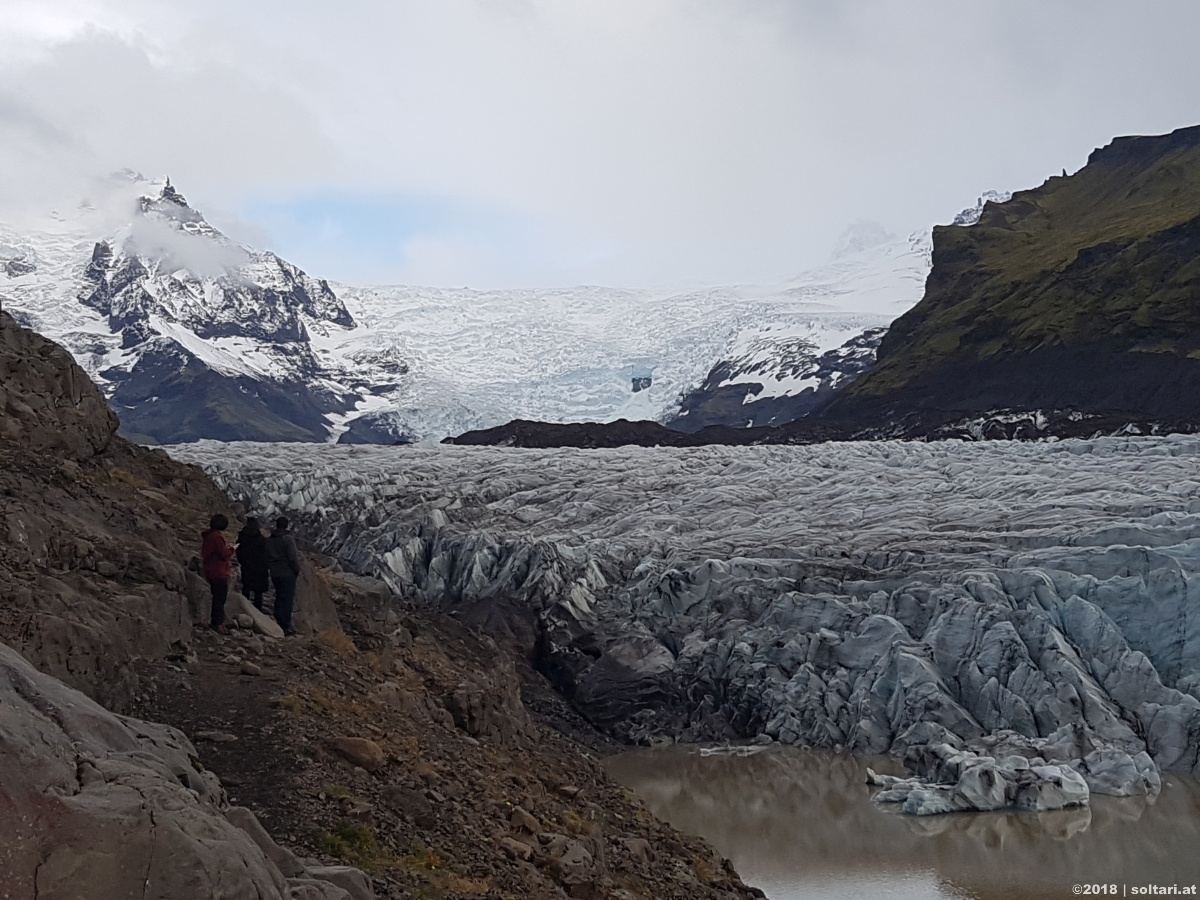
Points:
x=414 y=757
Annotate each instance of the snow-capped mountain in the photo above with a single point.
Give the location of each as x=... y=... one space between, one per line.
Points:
x=193 y=335
x=588 y=354
x=819 y=334
x=190 y=334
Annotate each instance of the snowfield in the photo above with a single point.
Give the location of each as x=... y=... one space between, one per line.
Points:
x=479 y=359
x=1033 y=609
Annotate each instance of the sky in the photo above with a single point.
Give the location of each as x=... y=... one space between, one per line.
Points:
x=532 y=143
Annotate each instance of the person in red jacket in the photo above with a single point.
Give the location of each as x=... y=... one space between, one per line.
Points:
x=214 y=559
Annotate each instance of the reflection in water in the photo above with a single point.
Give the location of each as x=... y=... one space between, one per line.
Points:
x=801 y=824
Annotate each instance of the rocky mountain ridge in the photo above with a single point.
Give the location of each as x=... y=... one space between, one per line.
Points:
x=775 y=373
x=924 y=425
x=189 y=333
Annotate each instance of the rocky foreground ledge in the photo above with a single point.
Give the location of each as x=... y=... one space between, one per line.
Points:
x=115 y=807
x=1011 y=619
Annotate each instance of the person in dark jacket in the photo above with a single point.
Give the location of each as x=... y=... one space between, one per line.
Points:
x=283 y=562
x=252 y=556
x=214 y=559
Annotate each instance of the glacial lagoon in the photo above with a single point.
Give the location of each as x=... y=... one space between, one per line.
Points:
x=801 y=824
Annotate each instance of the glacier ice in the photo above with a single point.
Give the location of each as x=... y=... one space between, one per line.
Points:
x=1035 y=606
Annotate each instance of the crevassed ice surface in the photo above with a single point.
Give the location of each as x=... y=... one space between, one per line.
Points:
x=482 y=358
x=866 y=596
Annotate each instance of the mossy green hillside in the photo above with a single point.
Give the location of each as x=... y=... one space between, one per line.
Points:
x=1108 y=257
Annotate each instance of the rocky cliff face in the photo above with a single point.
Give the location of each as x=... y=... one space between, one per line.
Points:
x=1081 y=294
x=96 y=537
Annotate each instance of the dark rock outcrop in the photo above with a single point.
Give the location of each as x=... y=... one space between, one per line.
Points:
x=929 y=425
x=729 y=394
x=376 y=428
x=522 y=433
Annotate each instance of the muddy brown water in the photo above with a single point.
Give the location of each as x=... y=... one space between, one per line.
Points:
x=802 y=825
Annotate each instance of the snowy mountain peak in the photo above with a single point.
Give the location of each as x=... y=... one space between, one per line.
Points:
x=190 y=334
x=169 y=193
x=171 y=208
x=171 y=264
x=861 y=235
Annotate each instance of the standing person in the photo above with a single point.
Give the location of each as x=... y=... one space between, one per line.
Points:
x=214 y=557
x=283 y=562
x=252 y=555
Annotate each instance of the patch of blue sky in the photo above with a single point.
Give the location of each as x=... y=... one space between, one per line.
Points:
x=362 y=237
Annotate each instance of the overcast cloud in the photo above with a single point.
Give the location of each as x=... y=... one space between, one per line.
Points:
x=533 y=142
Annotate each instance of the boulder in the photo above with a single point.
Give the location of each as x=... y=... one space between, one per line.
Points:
x=353 y=881
x=283 y=858
x=491 y=708
x=362 y=752
x=522 y=820
x=516 y=849
x=98 y=805
x=314 y=610
x=411 y=804
x=260 y=621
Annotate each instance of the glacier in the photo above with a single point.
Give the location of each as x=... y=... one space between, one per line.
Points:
x=138 y=285
x=1019 y=621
